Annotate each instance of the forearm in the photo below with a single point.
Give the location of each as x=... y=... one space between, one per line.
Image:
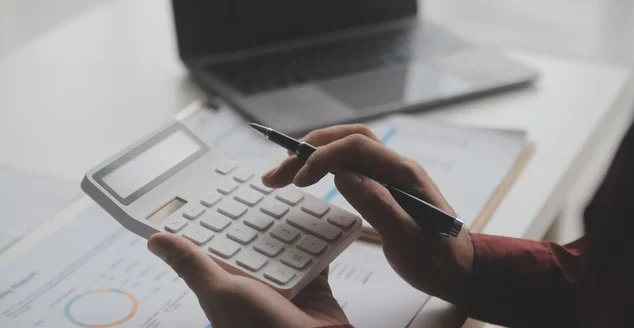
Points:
x=522 y=283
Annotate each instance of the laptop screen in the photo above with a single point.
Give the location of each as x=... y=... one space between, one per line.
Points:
x=212 y=27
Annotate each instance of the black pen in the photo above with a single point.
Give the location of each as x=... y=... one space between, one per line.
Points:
x=426 y=215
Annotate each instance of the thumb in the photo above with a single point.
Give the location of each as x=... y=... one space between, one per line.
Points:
x=197 y=269
x=374 y=203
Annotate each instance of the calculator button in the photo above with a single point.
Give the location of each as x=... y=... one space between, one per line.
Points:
x=296 y=259
x=257 y=185
x=211 y=200
x=341 y=221
x=242 y=234
x=215 y=222
x=269 y=246
x=192 y=212
x=227 y=186
x=314 y=226
x=248 y=196
x=280 y=274
x=232 y=209
x=273 y=208
x=176 y=224
x=223 y=247
x=285 y=233
x=259 y=222
x=252 y=260
x=315 y=207
x=290 y=196
x=242 y=175
x=312 y=245
x=198 y=234
x=225 y=168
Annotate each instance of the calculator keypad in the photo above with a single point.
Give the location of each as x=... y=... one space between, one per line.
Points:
x=242 y=175
x=273 y=208
x=269 y=246
x=248 y=197
x=216 y=222
x=226 y=187
x=211 y=200
x=259 y=222
x=341 y=221
x=252 y=260
x=176 y=224
x=224 y=247
x=225 y=168
x=317 y=209
x=279 y=273
x=257 y=185
x=232 y=209
x=296 y=259
x=243 y=234
x=312 y=245
x=192 y=212
x=283 y=232
x=198 y=234
x=290 y=196
x=317 y=227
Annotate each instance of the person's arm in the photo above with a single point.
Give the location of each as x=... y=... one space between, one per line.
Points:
x=523 y=283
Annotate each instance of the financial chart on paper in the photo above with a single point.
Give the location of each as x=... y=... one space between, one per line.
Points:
x=93 y=273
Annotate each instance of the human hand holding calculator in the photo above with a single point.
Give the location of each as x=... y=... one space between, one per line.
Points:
x=172 y=182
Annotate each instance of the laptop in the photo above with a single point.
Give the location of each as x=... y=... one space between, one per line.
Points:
x=298 y=65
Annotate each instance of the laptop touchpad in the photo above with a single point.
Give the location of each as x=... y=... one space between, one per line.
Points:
x=396 y=86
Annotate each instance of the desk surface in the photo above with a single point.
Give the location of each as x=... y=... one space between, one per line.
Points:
x=79 y=94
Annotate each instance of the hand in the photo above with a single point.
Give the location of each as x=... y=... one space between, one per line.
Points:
x=439 y=266
x=235 y=301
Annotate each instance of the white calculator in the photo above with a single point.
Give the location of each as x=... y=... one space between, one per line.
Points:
x=171 y=181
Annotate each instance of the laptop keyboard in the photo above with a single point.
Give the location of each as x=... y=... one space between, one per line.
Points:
x=334 y=59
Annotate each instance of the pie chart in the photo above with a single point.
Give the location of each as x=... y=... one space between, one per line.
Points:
x=101 y=308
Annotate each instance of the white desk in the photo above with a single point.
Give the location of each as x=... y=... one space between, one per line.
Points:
x=75 y=96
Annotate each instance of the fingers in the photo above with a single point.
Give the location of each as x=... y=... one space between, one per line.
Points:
x=363 y=155
x=199 y=271
x=284 y=173
x=327 y=135
x=315 y=294
x=374 y=203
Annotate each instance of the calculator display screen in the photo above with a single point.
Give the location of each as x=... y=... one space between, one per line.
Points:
x=165 y=211
x=135 y=173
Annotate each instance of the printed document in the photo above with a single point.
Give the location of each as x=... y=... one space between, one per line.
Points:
x=94 y=273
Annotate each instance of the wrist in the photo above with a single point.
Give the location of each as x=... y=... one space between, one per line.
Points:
x=457 y=275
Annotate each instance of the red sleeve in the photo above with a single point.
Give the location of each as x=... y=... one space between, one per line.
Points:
x=523 y=283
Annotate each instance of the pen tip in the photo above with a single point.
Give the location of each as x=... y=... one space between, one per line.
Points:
x=260 y=128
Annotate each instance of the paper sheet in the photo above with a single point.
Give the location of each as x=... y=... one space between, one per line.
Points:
x=28 y=198
x=467 y=164
x=94 y=273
